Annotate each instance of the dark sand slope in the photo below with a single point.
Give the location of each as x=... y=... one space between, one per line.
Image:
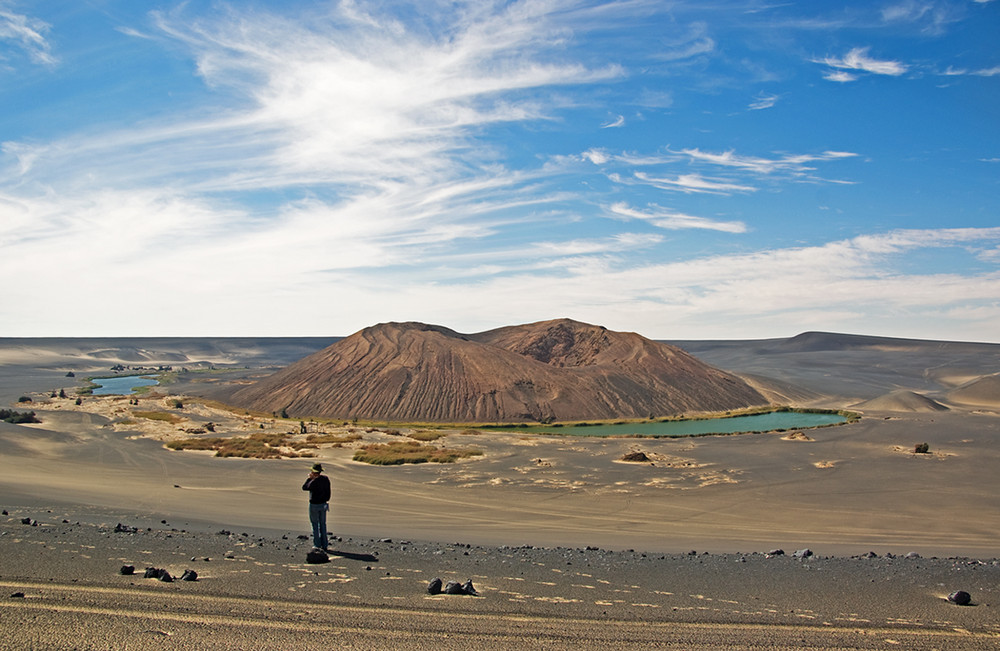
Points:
x=62 y=590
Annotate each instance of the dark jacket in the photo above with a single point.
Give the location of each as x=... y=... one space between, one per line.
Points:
x=319 y=489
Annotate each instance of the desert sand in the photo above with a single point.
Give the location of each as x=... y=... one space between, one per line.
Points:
x=567 y=545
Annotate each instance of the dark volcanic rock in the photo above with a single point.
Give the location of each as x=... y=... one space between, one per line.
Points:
x=434 y=587
x=562 y=370
x=960 y=597
x=317 y=556
x=127 y=570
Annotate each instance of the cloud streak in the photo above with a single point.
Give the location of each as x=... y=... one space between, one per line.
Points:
x=26 y=34
x=858 y=59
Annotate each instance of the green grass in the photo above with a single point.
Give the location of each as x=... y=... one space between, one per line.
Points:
x=157 y=415
x=427 y=435
x=398 y=453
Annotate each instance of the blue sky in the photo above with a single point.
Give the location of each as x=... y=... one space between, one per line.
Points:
x=682 y=169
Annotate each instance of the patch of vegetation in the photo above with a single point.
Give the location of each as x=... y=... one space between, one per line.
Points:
x=319 y=439
x=18 y=417
x=157 y=415
x=398 y=453
x=427 y=435
x=262 y=445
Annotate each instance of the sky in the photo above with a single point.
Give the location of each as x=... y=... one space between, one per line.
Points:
x=684 y=169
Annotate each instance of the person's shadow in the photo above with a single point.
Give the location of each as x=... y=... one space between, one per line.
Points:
x=368 y=558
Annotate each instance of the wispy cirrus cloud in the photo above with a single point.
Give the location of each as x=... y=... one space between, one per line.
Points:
x=858 y=59
x=763 y=101
x=795 y=163
x=617 y=123
x=673 y=220
x=26 y=34
x=693 y=184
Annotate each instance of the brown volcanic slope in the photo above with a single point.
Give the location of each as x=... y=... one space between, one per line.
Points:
x=562 y=370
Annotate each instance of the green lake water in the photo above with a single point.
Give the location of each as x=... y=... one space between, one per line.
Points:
x=777 y=420
x=119 y=386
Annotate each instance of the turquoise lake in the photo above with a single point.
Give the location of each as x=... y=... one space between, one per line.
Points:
x=755 y=423
x=119 y=386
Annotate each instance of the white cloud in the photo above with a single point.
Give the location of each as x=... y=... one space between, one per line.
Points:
x=693 y=183
x=796 y=163
x=672 y=220
x=858 y=59
x=763 y=102
x=614 y=124
x=25 y=33
x=840 y=76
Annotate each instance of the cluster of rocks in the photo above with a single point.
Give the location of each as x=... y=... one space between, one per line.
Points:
x=160 y=574
x=437 y=586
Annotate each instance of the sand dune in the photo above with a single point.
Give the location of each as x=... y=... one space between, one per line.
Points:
x=901 y=400
x=982 y=392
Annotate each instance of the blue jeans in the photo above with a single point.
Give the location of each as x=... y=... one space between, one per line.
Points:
x=317 y=516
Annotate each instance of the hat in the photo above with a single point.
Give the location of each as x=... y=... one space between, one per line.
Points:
x=317 y=467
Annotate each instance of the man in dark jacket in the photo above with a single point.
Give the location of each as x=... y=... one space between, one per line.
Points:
x=318 y=486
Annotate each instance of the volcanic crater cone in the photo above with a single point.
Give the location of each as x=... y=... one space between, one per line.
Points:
x=551 y=370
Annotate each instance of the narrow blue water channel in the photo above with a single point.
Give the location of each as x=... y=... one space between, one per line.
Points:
x=753 y=423
x=120 y=386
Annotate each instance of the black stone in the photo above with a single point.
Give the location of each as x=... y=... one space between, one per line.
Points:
x=316 y=556
x=151 y=573
x=434 y=587
x=960 y=597
x=189 y=575
x=127 y=570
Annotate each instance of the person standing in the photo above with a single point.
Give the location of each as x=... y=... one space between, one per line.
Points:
x=318 y=486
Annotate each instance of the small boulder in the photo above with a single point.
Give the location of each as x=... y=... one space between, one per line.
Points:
x=469 y=589
x=189 y=575
x=434 y=587
x=802 y=553
x=453 y=587
x=960 y=597
x=775 y=552
x=316 y=556
x=151 y=573
x=127 y=570
x=165 y=577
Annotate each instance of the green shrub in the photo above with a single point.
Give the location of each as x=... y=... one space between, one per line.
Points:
x=157 y=415
x=398 y=453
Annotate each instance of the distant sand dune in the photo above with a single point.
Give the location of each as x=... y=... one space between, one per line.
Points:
x=902 y=400
x=984 y=392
